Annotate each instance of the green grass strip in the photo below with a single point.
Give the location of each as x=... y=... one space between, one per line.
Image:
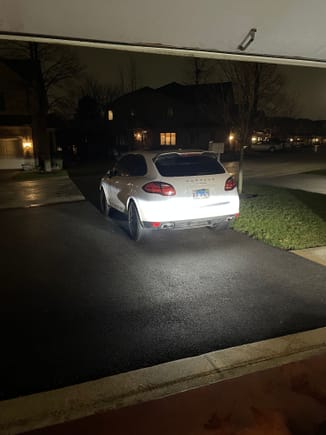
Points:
x=37 y=175
x=284 y=218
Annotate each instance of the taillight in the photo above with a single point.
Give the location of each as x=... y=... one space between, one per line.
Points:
x=164 y=189
x=230 y=183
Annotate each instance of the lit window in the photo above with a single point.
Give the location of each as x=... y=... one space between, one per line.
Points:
x=110 y=115
x=168 y=138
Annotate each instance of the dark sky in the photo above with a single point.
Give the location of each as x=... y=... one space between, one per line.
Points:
x=306 y=86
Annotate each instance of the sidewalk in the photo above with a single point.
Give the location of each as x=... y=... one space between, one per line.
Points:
x=254 y=169
x=318 y=255
x=306 y=182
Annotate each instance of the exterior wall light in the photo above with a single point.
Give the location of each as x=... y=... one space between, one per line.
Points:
x=138 y=136
x=27 y=145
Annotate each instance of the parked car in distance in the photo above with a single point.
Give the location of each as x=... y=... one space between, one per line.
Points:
x=178 y=189
x=271 y=145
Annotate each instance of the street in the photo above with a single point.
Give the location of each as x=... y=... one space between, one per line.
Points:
x=80 y=300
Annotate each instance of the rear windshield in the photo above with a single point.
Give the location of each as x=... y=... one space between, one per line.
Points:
x=179 y=165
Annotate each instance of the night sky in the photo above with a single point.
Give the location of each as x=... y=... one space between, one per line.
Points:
x=307 y=86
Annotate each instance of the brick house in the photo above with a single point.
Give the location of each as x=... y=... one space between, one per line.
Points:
x=187 y=116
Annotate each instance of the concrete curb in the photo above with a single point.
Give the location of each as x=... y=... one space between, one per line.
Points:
x=126 y=389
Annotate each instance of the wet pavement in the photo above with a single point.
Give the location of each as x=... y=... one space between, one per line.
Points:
x=17 y=194
x=297 y=395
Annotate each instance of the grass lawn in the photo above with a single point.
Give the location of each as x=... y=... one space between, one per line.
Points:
x=37 y=175
x=288 y=219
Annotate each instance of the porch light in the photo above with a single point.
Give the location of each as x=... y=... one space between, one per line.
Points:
x=138 y=136
x=27 y=145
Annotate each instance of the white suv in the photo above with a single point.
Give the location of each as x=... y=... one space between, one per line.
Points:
x=170 y=190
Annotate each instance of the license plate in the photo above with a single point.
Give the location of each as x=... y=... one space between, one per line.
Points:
x=200 y=193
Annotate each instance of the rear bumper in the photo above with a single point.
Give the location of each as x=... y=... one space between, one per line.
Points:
x=219 y=222
x=166 y=209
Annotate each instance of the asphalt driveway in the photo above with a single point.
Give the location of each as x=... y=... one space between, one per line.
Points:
x=80 y=300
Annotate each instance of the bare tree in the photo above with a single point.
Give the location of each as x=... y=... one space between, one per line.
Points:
x=255 y=87
x=199 y=70
x=50 y=68
x=133 y=75
x=103 y=95
x=128 y=77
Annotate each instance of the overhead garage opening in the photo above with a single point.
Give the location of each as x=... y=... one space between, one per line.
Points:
x=216 y=41
x=230 y=76
x=290 y=32
x=84 y=82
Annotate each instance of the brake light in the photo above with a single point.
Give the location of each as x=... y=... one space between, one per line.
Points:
x=164 y=189
x=230 y=183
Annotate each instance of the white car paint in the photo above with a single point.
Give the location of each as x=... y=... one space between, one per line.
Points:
x=219 y=207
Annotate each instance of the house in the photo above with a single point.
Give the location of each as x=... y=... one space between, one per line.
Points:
x=16 y=145
x=186 y=116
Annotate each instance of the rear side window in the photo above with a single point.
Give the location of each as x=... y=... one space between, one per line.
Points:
x=180 y=165
x=132 y=165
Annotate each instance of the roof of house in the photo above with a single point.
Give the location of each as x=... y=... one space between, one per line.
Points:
x=185 y=94
x=190 y=92
x=22 y=67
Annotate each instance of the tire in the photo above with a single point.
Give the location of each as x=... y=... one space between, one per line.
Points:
x=136 y=229
x=104 y=206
